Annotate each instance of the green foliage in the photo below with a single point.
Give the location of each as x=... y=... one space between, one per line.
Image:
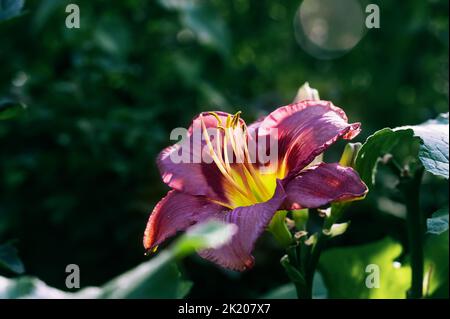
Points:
x=10 y=109
x=434 y=147
x=288 y=291
x=204 y=21
x=433 y=152
x=279 y=229
x=9 y=259
x=156 y=278
x=347 y=278
x=10 y=8
x=377 y=145
x=438 y=223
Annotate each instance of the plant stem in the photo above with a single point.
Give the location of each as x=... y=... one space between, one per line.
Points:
x=410 y=188
x=294 y=271
x=312 y=264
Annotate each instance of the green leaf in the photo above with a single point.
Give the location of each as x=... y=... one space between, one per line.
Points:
x=10 y=8
x=434 y=147
x=279 y=229
x=436 y=284
x=28 y=287
x=300 y=218
x=286 y=291
x=377 y=145
x=438 y=223
x=433 y=152
x=212 y=234
x=347 y=278
x=293 y=273
x=9 y=260
x=156 y=278
x=10 y=109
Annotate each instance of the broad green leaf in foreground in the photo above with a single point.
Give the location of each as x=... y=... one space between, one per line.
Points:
x=438 y=223
x=433 y=152
x=347 y=278
x=9 y=260
x=156 y=278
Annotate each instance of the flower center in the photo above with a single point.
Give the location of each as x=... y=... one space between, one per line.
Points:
x=244 y=182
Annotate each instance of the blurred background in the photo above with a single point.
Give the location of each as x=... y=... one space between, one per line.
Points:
x=77 y=166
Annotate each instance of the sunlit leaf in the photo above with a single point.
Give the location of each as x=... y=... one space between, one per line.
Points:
x=156 y=278
x=436 y=284
x=212 y=234
x=28 y=287
x=347 y=278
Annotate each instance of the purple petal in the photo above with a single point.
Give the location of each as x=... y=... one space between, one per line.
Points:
x=322 y=184
x=176 y=212
x=197 y=176
x=306 y=129
x=251 y=222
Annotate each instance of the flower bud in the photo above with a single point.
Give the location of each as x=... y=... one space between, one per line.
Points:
x=349 y=155
x=305 y=92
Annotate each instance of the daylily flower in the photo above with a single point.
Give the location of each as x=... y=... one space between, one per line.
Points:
x=240 y=192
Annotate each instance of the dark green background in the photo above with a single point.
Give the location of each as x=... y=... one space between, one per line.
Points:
x=77 y=168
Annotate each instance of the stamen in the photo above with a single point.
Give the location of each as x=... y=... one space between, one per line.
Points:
x=216 y=159
x=243 y=176
x=235 y=119
x=219 y=121
x=253 y=172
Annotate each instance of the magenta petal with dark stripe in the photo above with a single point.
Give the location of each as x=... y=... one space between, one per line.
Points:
x=305 y=130
x=198 y=175
x=176 y=212
x=322 y=184
x=251 y=222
